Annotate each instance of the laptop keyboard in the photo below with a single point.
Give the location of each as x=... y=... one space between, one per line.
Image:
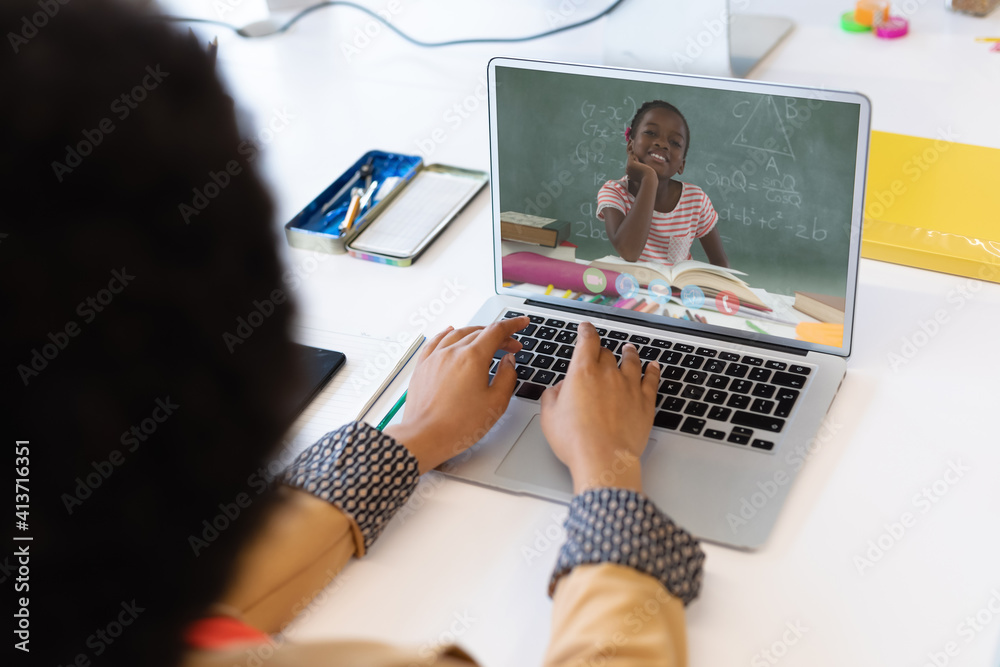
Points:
x=713 y=393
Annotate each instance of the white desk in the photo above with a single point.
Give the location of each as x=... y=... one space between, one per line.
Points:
x=454 y=568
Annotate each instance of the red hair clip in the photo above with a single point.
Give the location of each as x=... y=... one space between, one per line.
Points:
x=628 y=133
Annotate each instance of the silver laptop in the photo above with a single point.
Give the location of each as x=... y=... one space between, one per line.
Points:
x=751 y=355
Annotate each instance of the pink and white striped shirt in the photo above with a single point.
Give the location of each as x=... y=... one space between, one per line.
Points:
x=670 y=234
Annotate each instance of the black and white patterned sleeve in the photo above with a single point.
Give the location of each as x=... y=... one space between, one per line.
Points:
x=624 y=527
x=368 y=475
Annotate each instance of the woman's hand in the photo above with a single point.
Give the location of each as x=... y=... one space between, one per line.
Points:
x=598 y=419
x=450 y=402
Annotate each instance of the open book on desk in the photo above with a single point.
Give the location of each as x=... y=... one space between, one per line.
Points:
x=710 y=278
x=373 y=362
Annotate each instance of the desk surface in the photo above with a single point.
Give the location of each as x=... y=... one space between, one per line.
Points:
x=471 y=564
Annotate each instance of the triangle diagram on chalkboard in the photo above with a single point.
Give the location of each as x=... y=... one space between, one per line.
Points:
x=764 y=130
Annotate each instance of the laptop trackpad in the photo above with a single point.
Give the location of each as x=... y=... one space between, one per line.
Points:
x=531 y=460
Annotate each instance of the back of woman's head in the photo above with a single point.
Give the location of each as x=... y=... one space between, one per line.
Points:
x=144 y=424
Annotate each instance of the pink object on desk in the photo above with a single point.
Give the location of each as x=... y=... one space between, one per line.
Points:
x=527 y=267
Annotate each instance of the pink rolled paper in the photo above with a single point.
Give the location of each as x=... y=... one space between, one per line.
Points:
x=527 y=267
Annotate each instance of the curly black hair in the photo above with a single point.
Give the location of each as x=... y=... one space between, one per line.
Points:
x=143 y=425
x=660 y=104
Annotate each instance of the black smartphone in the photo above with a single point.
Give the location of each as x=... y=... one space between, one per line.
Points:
x=319 y=366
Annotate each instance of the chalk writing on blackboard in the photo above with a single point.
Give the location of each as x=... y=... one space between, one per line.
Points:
x=764 y=129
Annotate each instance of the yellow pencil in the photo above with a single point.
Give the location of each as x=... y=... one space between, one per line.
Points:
x=567 y=293
x=988 y=39
x=548 y=290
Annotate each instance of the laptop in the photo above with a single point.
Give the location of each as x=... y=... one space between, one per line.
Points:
x=751 y=355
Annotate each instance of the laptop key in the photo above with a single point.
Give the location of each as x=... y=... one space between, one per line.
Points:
x=547 y=347
x=493 y=366
x=695 y=377
x=719 y=414
x=669 y=420
x=740 y=436
x=572 y=326
x=542 y=361
x=763 y=390
x=784 y=409
x=776 y=365
x=528 y=343
x=546 y=333
x=525 y=372
x=741 y=386
x=565 y=351
x=737 y=370
x=759 y=374
x=670 y=388
x=649 y=353
x=561 y=366
x=717 y=381
x=738 y=401
x=716 y=396
x=763 y=406
x=674 y=404
x=618 y=335
x=609 y=344
x=787 y=395
x=706 y=351
x=671 y=372
x=715 y=435
x=670 y=357
x=693 y=425
x=536 y=319
x=694 y=392
x=638 y=340
x=753 y=361
x=762 y=422
x=683 y=347
x=559 y=378
x=510 y=313
x=529 y=330
x=692 y=361
x=544 y=377
x=762 y=444
x=662 y=344
x=601 y=332
x=729 y=356
x=801 y=370
x=715 y=366
x=523 y=357
x=788 y=380
x=696 y=408
x=530 y=391
x=565 y=337
x=558 y=324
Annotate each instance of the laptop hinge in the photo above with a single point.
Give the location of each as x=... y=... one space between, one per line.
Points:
x=667 y=327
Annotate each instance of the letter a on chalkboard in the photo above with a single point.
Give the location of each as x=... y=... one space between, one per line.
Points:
x=764 y=130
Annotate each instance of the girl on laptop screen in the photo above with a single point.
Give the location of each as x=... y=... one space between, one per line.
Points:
x=648 y=214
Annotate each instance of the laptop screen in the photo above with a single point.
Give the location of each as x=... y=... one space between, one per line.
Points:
x=717 y=205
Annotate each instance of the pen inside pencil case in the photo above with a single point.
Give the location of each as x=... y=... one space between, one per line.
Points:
x=386 y=172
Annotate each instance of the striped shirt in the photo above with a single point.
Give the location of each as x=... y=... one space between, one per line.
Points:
x=670 y=234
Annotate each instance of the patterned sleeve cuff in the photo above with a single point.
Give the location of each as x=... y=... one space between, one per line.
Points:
x=625 y=527
x=365 y=473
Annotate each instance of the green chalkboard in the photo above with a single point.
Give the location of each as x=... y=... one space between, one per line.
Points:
x=779 y=170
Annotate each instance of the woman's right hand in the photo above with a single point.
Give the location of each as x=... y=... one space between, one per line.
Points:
x=598 y=419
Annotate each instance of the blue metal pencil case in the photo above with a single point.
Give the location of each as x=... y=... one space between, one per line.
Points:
x=328 y=222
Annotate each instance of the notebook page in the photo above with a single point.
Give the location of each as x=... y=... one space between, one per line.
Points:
x=425 y=202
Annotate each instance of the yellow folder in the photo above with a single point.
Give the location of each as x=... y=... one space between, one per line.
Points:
x=933 y=204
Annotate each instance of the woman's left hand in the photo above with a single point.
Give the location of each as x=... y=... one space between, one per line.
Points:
x=450 y=403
